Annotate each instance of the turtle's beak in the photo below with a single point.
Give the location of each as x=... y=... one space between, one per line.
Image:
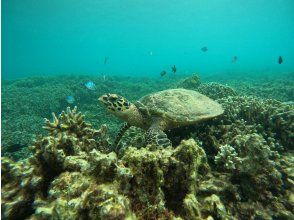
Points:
x=100 y=98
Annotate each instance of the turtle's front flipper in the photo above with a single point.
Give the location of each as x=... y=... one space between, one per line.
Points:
x=121 y=132
x=156 y=136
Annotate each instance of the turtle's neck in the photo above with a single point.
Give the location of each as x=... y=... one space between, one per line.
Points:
x=136 y=118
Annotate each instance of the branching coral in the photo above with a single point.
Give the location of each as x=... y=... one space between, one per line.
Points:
x=76 y=178
x=72 y=175
x=274 y=118
x=253 y=163
x=216 y=91
x=227 y=157
x=258 y=168
x=21 y=184
x=66 y=148
x=72 y=124
x=69 y=135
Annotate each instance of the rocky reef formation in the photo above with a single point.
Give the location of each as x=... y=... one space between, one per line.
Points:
x=247 y=148
x=71 y=176
x=216 y=90
x=212 y=89
x=237 y=166
x=192 y=82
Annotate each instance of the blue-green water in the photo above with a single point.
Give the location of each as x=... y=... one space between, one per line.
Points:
x=144 y=37
x=212 y=141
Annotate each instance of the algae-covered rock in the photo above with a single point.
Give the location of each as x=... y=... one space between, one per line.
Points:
x=191 y=207
x=162 y=178
x=104 y=202
x=147 y=179
x=77 y=196
x=102 y=165
x=20 y=185
x=186 y=165
x=213 y=206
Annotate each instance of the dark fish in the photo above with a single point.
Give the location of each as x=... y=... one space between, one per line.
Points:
x=174 y=69
x=163 y=73
x=204 y=49
x=105 y=60
x=280 y=60
x=234 y=59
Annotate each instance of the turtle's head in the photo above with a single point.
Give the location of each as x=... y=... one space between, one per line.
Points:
x=117 y=105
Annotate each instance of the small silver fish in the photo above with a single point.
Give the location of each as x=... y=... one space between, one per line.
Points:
x=70 y=99
x=90 y=85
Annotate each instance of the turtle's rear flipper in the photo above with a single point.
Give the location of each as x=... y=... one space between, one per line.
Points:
x=156 y=136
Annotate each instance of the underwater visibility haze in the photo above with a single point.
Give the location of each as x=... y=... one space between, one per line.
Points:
x=143 y=37
x=147 y=109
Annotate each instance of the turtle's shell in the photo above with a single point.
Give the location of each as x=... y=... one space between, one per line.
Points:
x=181 y=106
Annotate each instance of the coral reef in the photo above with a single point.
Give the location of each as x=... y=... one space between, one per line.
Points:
x=213 y=90
x=21 y=184
x=71 y=176
x=266 y=85
x=216 y=91
x=236 y=166
x=227 y=157
x=259 y=167
x=246 y=147
x=192 y=82
x=25 y=102
x=174 y=173
x=64 y=149
x=70 y=136
x=74 y=195
x=274 y=119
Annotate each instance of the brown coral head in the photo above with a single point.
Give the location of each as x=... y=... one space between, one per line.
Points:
x=114 y=103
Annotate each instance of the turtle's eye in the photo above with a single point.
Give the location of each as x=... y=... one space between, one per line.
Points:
x=112 y=99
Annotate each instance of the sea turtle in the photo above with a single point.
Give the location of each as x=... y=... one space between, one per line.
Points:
x=161 y=111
